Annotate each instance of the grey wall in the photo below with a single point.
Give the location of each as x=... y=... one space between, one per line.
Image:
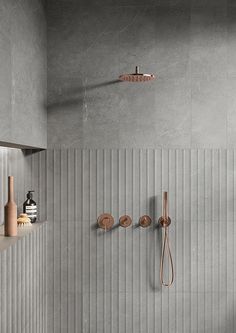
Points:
x=23 y=266
x=189 y=45
x=23 y=73
x=23 y=306
x=109 y=282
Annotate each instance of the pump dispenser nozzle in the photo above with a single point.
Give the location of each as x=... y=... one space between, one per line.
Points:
x=29 y=194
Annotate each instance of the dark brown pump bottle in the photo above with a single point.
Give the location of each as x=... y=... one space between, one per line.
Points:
x=30 y=207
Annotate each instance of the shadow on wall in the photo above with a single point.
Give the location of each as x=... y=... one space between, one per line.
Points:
x=75 y=96
x=155 y=243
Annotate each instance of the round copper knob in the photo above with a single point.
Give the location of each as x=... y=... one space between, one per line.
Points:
x=145 y=221
x=125 y=221
x=105 y=221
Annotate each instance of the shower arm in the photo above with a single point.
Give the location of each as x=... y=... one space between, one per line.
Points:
x=165 y=221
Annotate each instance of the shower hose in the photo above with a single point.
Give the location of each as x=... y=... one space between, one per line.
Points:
x=166 y=252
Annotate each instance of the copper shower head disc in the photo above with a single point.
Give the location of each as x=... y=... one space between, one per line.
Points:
x=136 y=77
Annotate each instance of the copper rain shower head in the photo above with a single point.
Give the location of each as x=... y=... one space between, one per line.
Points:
x=136 y=77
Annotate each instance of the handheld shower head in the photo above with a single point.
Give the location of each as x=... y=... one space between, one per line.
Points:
x=165 y=220
x=136 y=77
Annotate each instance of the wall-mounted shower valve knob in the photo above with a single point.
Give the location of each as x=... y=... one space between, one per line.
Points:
x=125 y=221
x=105 y=221
x=164 y=221
x=145 y=221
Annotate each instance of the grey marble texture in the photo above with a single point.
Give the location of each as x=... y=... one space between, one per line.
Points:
x=23 y=73
x=189 y=45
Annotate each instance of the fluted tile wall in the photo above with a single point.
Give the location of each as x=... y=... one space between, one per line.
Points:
x=23 y=285
x=23 y=297
x=109 y=282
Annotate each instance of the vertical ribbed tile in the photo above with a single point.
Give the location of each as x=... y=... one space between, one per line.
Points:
x=143 y=241
x=1 y=292
x=216 y=237
x=136 y=250
x=57 y=250
x=31 y=280
x=86 y=240
x=21 y=291
x=201 y=239
x=151 y=210
x=71 y=239
x=109 y=282
x=179 y=240
x=45 y=264
x=208 y=237
x=93 y=239
x=34 y=279
x=186 y=232
x=121 y=240
x=14 y=289
x=107 y=240
x=4 y=292
x=223 y=237
x=230 y=238
x=9 y=291
x=50 y=238
x=78 y=240
x=129 y=241
x=172 y=236
x=234 y=239
x=115 y=240
x=63 y=240
x=194 y=237
x=121 y=234
x=158 y=240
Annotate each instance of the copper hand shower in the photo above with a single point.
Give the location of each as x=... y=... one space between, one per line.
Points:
x=165 y=221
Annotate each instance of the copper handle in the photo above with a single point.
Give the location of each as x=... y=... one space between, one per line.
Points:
x=165 y=220
x=165 y=205
x=125 y=221
x=145 y=221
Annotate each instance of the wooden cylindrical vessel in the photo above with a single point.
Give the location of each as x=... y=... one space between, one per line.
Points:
x=10 y=211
